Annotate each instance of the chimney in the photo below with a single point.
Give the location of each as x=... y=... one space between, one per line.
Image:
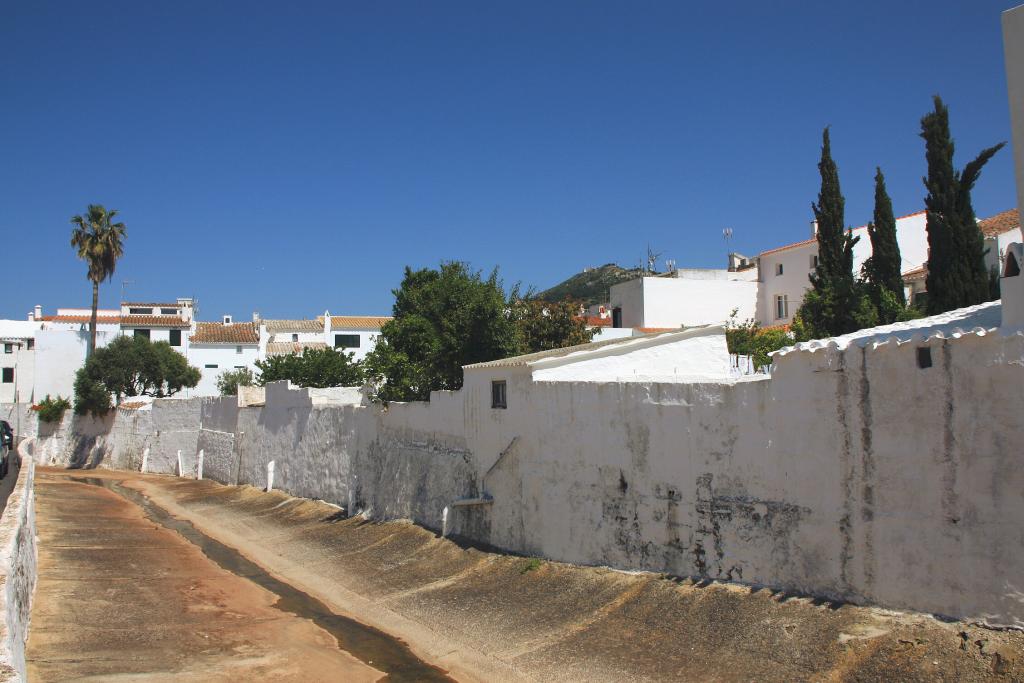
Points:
x=814 y=228
x=227 y=320
x=1011 y=286
x=38 y=314
x=256 y=317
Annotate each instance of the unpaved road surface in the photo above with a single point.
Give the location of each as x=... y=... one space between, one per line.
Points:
x=121 y=596
x=156 y=577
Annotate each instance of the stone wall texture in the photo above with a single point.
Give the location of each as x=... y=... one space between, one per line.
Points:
x=17 y=573
x=852 y=474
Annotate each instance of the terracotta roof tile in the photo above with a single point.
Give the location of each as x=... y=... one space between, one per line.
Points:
x=919 y=273
x=597 y=321
x=274 y=326
x=154 y=321
x=1000 y=223
x=358 y=322
x=285 y=348
x=226 y=333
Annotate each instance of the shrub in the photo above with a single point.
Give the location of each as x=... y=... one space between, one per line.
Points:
x=52 y=409
x=229 y=381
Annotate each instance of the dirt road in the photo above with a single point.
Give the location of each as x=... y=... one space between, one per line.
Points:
x=154 y=577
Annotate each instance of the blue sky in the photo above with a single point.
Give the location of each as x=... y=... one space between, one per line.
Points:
x=292 y=157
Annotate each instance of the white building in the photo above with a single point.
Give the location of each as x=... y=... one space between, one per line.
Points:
x=17 y=359
x=685 y=298
x=62 y=344
x=353 y=333
x=217 y=347
x=171 y=323
x=283 y=337
x=784 y=271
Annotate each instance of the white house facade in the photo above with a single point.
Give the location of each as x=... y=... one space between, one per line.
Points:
x=356 y=334
x=218 y=347
x=171 y=323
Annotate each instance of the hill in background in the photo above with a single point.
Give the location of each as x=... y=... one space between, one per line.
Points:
x=591 y=286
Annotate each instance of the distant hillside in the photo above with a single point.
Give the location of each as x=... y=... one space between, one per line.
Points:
x=590 y=287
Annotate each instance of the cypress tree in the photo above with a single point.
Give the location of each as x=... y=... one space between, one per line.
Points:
x=834 y=305
x=883 y=269
x=957 y=276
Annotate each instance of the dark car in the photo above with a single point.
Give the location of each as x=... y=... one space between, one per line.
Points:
x=6 y=447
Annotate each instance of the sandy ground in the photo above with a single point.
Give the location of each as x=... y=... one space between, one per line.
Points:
x=486 y=616
x=121 y=598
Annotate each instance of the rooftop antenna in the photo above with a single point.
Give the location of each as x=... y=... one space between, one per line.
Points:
x=124 y=286
x=652 y=258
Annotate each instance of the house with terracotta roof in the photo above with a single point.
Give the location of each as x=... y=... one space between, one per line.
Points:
x=283 y=337
x=218 y=347
x=169 y=322
x=356 y=334
x=784 y=271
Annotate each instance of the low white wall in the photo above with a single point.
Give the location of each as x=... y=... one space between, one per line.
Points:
x=17 y=573
x=853 y=474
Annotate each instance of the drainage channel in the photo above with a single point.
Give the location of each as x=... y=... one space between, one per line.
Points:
x=369 y=645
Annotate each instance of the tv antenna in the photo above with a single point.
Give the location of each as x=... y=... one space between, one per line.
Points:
x=727 y=235
x=124 y=286
x=652 y=258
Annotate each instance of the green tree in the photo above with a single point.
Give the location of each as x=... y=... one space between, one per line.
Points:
x=318 y=368
x=229 y=381
x=543 y=325
x=100 y=242
x=882 y=270
x=131 y=366
x=747 y=338
x=957 y=276
x=836 y=303
x=443 y=319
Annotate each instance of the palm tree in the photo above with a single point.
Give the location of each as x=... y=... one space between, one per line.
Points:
x=99 y=243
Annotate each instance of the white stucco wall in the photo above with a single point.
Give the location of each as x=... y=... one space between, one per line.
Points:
x=18 y=571
x=60 y=352
x=367 y=340
x=851 y=473
x=1013 y=50
x=225 y=357
x=664 y=302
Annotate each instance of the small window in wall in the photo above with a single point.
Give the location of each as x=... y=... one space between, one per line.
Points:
x=814 y=260
x=346 y=341
x=617 y=317
x=778 y=269
x=210 y=366
x=141 y=333
x=8 y=377
x=498 y=398
x=781 y=306
x=8 y=348
x=924 y=357
x=295 y=337
x=31 y=344
x=168 y=311
x=239 y=367
x=175 y=338
x=238 y=349
x=140 y=311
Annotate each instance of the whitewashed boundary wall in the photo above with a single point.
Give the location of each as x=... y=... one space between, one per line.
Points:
x=18 y=562
x=852 y=474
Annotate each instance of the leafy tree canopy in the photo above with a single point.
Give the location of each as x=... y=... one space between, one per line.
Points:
x=747 y=338
x=318 y=368
x=542 y=326
x=229 y=381
x=131 y=366
x=443 y=319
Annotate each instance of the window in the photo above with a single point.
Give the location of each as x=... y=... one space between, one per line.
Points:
x=781 y=306
x=31 y=344
x=778 y=269
x=617 y=317
x=238 y=349
x=8 y=348
x=924 y=357
x=210 y=366
x=140 y=311
x=814 y=261
x=498 y=394
x=8 y=375
x=239 y=367
x=295 y=337
x=141 y=333
x=175 y=338
x=346 y=341
x=168 y=311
